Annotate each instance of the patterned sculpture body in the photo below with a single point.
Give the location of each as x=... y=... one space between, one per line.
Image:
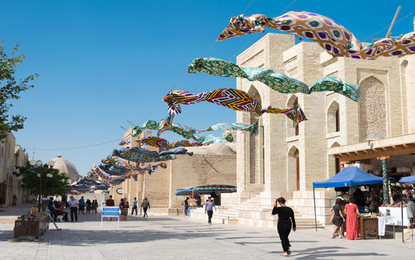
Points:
x=330 y=35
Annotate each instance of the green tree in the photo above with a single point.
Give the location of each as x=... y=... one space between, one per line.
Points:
x=50 y=186
x=10 y=89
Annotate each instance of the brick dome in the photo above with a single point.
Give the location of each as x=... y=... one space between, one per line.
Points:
x=65 y=166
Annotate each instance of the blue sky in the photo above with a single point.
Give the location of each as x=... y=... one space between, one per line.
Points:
x=101 y=63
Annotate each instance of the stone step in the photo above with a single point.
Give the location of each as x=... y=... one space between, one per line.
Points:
x=251 y=201
x=227 y=213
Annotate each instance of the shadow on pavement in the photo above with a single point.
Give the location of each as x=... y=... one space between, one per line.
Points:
x=126 y=236
x=6 y=234
x=326 y=253
x=270 y=242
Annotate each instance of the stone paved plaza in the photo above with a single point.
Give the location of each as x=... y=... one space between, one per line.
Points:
x=180 y=237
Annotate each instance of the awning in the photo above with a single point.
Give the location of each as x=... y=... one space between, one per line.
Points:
x=206 y=190
x=350 y=176
x=383 y=148
x=409 y=179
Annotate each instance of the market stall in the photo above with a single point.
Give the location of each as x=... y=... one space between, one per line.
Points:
x=410 y=209
x=349 y=176
x=31 y=224
x=213 y=190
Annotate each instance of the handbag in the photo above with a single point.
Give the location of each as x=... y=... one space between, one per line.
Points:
x=331 y=217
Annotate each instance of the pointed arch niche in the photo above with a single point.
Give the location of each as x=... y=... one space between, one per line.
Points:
x=292 y=127
x=333 y=118
x=256 y=145
x=334 y=166
x=293 y=169
x=372 y=110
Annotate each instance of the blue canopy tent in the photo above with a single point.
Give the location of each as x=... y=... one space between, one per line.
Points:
x=408 y=179
x=411 y=180
x=349 y=176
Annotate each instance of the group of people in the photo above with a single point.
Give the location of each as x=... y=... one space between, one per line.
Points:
x=87 y=206
x=124 y=205
x=286 y=220
x=346 y=212
x=76 y=206
x=58 y=208
x=197 y=198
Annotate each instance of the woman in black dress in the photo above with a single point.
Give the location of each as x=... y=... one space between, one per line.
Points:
x=338 y=217
x=285 y=217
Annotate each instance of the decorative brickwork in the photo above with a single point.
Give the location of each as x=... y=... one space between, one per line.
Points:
x=372 y=105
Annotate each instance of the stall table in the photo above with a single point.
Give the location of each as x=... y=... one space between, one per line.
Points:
x=368 y=226
x=383 y=221
x=396 y=213
x=35 y=228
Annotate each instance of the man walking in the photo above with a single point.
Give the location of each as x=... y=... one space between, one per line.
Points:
x=73 y=204
x=145 y=205
x=134 y=207
x=209 y=209
x=110 y=203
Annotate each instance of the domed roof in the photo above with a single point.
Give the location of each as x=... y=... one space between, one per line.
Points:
x=65 y=166
x=214 y=149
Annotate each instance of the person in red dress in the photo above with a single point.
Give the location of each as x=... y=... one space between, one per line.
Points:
x=352 y=224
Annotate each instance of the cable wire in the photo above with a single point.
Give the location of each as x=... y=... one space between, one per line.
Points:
x=78 y=147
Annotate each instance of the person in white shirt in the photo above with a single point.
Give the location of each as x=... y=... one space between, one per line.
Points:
x=73 y=204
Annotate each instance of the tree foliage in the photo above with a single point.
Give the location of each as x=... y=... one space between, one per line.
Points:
x=50 y=186
x=10 y=89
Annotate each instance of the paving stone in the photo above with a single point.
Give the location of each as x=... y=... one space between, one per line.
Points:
x=185 y=238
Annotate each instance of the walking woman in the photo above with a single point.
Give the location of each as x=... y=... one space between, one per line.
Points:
x=352 y=224
x=338 y=217
x=145 y=205
x=285 y=217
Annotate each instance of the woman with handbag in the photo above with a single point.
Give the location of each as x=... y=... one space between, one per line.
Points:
x=338 y=217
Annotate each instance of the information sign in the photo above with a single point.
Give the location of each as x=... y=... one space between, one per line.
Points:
x=110 y=212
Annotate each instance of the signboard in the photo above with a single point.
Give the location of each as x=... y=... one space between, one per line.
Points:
x=110 y=212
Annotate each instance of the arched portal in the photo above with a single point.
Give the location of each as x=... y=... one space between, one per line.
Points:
x=334 y=166
x=333 y=118
x=256 y=144
x=292 y=127
x=293 y=169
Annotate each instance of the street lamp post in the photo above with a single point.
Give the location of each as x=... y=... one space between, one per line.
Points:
x=39 y=164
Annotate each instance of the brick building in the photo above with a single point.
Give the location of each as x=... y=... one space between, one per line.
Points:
x=210 y=165
x=286 y=158
x=11 y=155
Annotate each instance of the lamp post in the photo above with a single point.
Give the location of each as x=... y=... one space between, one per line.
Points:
x=39 y=164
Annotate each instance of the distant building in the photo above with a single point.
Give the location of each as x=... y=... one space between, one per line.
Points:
x=11 y=155
x=67 y=167
x=210 y=165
